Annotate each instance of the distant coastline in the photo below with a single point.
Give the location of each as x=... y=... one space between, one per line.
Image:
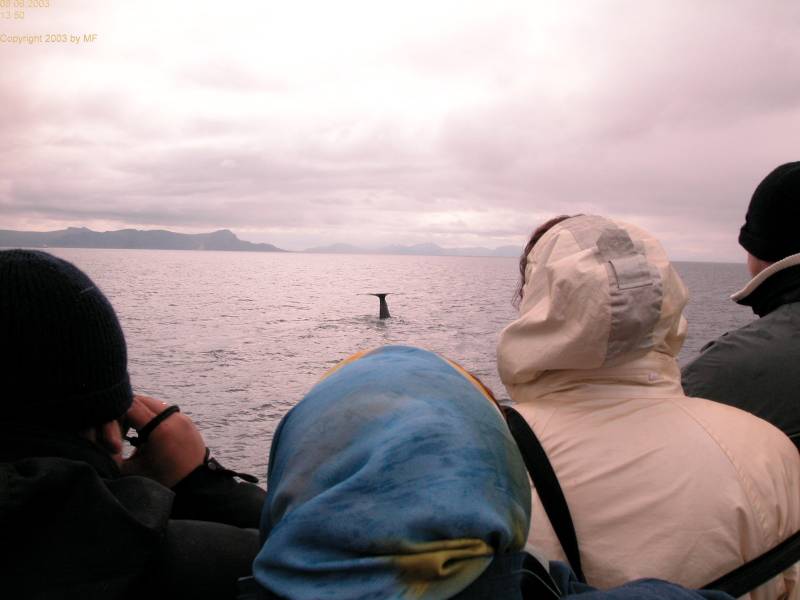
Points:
x=154 y=239
x=224 y=239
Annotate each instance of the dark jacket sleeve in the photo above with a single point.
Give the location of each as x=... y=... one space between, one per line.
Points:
x=202 y=560
x=212 y=536
x=212 y=493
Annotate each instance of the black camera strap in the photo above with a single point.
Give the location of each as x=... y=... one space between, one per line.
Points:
x=547 y=487
x=759 y=570
x=144 y=433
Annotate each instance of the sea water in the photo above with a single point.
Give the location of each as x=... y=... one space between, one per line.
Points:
x=237 y=338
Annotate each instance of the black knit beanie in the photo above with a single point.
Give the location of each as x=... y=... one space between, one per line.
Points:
x=63 y=357
x=770 y=227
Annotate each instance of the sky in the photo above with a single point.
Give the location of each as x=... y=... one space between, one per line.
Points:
x=462 y=123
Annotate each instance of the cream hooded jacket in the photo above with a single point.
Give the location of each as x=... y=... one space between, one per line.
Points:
x=659 y=485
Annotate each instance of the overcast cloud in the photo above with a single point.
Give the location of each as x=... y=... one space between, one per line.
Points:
x=460 y=123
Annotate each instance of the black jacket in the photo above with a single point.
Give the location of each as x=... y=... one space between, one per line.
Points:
x=757 y=368
x=73 y=527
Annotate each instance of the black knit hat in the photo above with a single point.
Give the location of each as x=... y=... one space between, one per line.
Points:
x=63 y=357
x=770 y=228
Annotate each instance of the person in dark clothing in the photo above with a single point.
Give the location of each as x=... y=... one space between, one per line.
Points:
x=78 y=520
x=755 y=368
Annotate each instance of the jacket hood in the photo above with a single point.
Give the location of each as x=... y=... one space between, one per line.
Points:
x=598 y=293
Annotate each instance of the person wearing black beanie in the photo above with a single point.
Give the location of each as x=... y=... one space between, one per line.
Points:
x=78 y=519
x=63 y=352
x=770 y=231
x=755 y=368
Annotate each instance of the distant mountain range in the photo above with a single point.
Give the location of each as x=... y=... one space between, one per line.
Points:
x=160 y=239
x=418 y=250
x=155 y=239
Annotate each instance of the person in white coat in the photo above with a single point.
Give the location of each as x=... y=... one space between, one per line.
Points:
x=658 y=484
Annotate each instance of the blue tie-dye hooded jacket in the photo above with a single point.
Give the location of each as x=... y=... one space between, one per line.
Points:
x=395 y=477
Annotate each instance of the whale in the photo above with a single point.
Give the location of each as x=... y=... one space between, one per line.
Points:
x=384 y=308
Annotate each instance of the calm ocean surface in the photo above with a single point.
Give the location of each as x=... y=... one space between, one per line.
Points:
x=237 y=338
